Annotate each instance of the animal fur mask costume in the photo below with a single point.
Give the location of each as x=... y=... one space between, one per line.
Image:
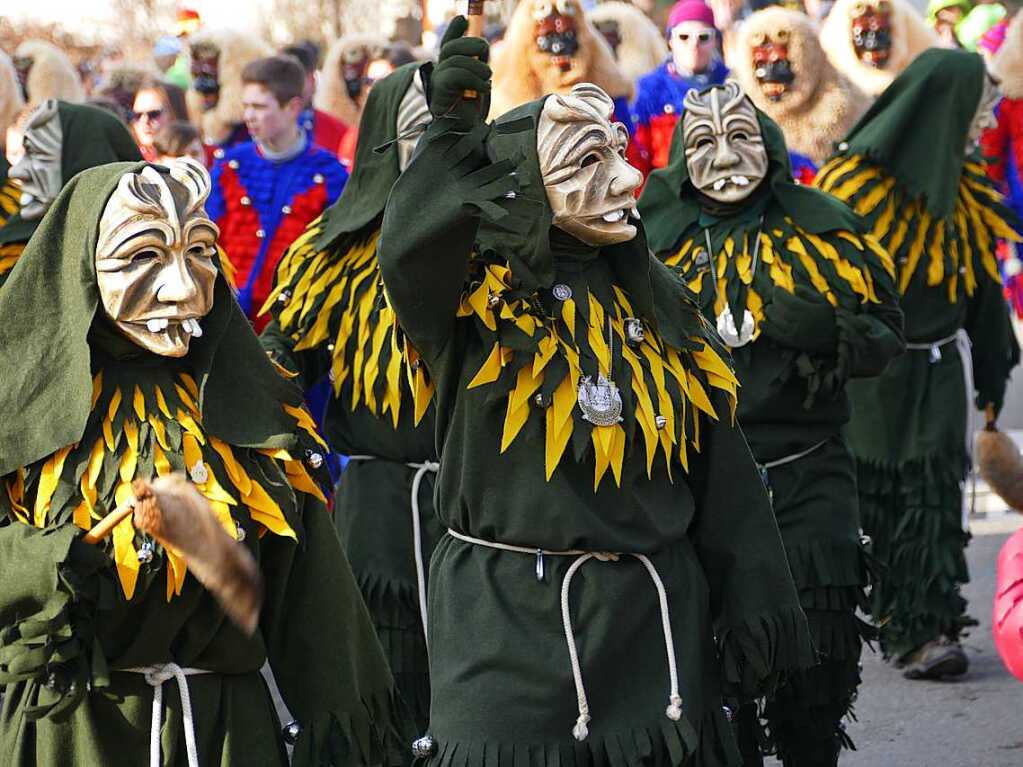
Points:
x=341 y=79
x=11 y=101
x=1007 y=65
x=45 y=72
x=225 y=53
x=900 y=24
x=575 y=53
x=638 y=45
x=779 y=62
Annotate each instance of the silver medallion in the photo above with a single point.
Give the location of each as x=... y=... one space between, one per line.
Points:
x=199 y=473
x=601 y=402
x=732 y=335
x=561 y=291
x=633 y=331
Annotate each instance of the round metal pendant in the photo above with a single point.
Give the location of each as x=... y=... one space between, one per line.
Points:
x=601 y=402
x=561 y=291
x=732 y=335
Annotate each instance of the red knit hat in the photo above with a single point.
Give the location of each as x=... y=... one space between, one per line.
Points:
x=690 y=10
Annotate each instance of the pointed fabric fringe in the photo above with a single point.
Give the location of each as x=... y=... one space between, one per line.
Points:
x=710 y=743
x=952 y=252
x=913 y=513
x=838 y=265
x=537 y=356
x=755 y=652
x=146 y=432
x=9 y=255
x=10 y=200
x=336 y=299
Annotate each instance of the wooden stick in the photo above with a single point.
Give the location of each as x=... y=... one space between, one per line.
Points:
x=475 y=18
x=106 y=526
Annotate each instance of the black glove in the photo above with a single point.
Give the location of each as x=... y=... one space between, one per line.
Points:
x=462 y=66
x=804 y=321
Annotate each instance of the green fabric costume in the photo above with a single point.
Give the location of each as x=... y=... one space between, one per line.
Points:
x=331 y=316
x=905 y=169
x=94 y=412
x=825 y=309
x=601 y=516
x=90 y=137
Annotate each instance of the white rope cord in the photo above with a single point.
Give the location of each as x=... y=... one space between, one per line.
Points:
x=794 y=457
x=422 y=469
x=155 y=676
x=581 y=729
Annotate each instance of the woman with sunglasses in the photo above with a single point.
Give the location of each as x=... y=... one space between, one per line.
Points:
x=695 y=62
x=151 y=111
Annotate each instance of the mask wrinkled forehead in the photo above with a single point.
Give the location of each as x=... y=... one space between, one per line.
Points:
x=716 y=104
x=171 y=199
x=586 y=108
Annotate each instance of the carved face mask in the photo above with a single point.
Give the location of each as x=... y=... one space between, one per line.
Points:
x=725 y=151
x=589 y=184
x=771 y=65
x=985 y=115
x=871 y=27
x=554 y=31
x=154 y=257
x=206 y=74
x=413 y=111
x=38 y=166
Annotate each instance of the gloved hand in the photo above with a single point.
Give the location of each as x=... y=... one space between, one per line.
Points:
x=462 y=66
x=804 y=321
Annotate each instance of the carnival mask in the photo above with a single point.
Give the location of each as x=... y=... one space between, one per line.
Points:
x=724 y=146
x=354 y=63
x=693 y=47
x=206 y=74
x=413 y=112
x=984 y=117
x=871 y=27
x=154 y=256
x=554 y=31
x=771 y=65
x=589 y=184
x=38 y=167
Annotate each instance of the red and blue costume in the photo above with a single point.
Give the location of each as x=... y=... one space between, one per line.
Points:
x=262 y=206
x=327 y=131
x=803 y=169
x=1002 y=147
x=658 y=107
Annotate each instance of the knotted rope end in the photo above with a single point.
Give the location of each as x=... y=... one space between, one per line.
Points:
x=580 y=732
x=674 y=711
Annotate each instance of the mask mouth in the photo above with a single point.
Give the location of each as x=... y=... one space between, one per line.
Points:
x=872 y=39
x=188 y=325
x=555 y=36
x=735 y=181
x=775 y=78
x=618 y=215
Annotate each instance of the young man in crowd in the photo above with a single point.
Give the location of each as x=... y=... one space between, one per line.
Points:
x=267 y=190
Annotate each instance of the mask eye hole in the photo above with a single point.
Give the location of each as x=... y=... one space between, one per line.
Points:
x=705 y=141
x=198 y=251
x=145 y=256
x=740 y=136
x=591 y=159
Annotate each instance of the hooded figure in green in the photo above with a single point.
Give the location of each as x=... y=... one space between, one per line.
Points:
x=611 y=567
x=331 y=317
x=124 y=354
x=909 y=169
x=818 y=302
x=59 y=140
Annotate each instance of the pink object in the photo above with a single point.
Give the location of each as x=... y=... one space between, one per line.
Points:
x=1007 y=619
x=690 y=10
x=992 y=40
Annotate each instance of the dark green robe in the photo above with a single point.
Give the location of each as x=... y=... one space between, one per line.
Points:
x=905 y=169
x=96 y=411
x=522 y=467
x=331 y=317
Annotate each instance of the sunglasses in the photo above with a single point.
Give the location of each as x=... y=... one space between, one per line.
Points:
x=700 y=37
x=152 y=115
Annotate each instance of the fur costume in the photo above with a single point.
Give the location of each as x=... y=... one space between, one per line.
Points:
x=640 y=44
x=523 y=73
x=819 y=106
x=910 y=37
x=332 y=92
x=11 y=102
x=123 y=82
x=236 y=51
x=51 y=74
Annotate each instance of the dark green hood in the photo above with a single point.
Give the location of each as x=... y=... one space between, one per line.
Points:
x=90 y=137
x=47 y=309
x=523 y=236
x=375 y=172
x=917 y=129
x=669 y=203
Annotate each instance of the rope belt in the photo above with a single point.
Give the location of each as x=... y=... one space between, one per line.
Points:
x=581 y=731
x=791 y=458
x=155 y=676
x=422 y=469
x=934 y=347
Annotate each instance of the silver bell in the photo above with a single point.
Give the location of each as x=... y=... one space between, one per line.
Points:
x=314 y=459
x=729 y=714
x=240 y=536
x=290 y=732
x=284 y=297
x=424 y=747
x=660 y=421
x=634 y=331
x=493 y=300
x=145 y=553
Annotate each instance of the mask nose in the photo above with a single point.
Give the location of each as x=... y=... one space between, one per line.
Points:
x=175 y=284
x=19 y=171
x=624 y=179
x=724 y=157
